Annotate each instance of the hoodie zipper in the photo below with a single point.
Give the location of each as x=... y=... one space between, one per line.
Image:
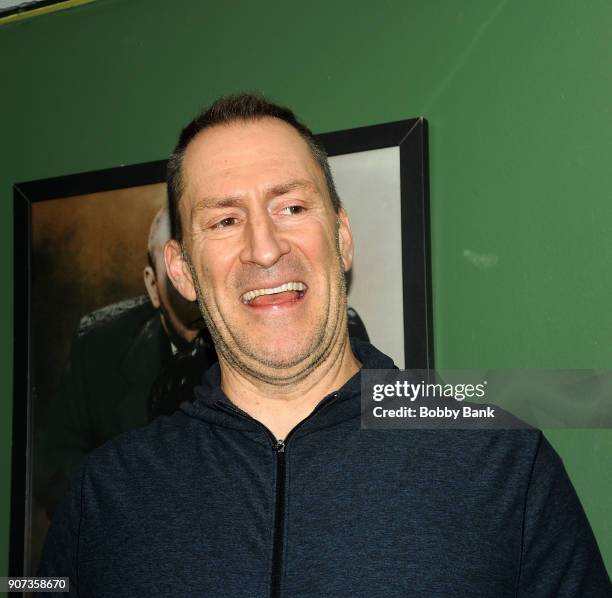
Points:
x=278 y=447
x=279 y=520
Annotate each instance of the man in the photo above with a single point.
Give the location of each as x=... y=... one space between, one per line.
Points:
x=265 y=485
x=119 y=355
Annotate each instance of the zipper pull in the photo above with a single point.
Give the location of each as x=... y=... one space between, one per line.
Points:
x=279 y=446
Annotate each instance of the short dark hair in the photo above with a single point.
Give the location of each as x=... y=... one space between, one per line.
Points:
x=225 y=110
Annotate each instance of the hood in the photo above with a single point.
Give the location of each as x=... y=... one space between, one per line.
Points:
x=212 y=405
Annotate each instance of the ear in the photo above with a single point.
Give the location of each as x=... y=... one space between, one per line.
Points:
x=345 y=239
x=178 y=270
x=150 y=281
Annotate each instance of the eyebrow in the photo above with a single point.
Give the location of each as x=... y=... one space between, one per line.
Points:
x=232 y=201
x=284 y=188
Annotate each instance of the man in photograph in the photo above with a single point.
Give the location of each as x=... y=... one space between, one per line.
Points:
x=265 y=485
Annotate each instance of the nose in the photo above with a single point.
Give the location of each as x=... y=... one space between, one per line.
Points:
x=264 y=244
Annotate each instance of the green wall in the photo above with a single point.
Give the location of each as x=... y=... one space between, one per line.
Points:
x=518 y=96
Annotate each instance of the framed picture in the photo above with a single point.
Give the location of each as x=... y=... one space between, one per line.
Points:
x=82 y=247
x=381 y=174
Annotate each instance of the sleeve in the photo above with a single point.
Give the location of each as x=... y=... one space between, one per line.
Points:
x=559 y=557
x=60 y=553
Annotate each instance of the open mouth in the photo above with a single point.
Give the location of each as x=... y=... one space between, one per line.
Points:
x=289 y=291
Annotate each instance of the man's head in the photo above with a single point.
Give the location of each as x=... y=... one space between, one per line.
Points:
x=180 y=318
x=226 y=110
x=263 y=243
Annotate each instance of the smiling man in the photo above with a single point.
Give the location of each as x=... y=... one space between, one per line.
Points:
x=265 y=485
x=264 y=252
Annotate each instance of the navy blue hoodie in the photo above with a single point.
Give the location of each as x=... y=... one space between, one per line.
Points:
x=207 y=503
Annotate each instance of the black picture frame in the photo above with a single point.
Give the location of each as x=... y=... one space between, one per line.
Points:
x=409 y=136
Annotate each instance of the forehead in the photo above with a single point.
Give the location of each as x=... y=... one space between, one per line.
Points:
x=237 y=158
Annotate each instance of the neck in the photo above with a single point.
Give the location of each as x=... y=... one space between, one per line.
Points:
x=282 y=408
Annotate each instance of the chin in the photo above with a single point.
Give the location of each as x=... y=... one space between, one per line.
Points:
x=283 y=355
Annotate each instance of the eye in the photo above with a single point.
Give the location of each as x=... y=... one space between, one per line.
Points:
x=230 y=221
x=292 y=210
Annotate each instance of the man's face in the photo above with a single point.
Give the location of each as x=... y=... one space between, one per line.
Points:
x=266 y=247
x=181 y=319
x=181 y=316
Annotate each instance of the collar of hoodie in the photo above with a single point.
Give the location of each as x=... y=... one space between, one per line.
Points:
x=213 y=406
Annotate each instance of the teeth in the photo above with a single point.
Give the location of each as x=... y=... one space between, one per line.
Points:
x=288 y=286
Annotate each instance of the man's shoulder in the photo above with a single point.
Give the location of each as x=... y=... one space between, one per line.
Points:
x=496 y=449
x=123 y=315
x=142 y=450
x=483 y=450
x=117 y=314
